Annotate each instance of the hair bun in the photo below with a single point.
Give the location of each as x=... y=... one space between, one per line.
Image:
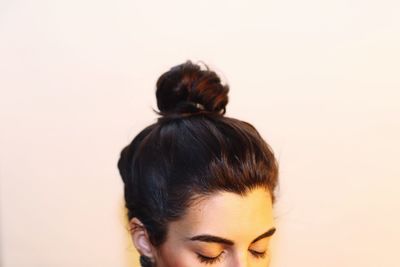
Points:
x=187 y=89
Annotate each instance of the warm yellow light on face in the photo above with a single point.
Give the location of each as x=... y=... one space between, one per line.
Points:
x=224 y=225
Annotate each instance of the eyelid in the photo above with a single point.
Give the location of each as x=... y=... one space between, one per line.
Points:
x=260 y=249
x=258 y=252
x=208 y=257
x=259 y=245
x=212 y=260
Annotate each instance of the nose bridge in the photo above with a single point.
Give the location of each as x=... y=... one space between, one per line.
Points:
x=241 y=259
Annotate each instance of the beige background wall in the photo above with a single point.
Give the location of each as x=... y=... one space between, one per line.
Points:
x=319 y=79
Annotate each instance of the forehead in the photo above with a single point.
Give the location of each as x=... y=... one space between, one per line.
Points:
x=228 y=215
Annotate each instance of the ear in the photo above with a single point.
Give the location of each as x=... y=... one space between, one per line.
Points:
x=140 y=238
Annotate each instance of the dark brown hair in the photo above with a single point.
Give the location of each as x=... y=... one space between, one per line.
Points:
x=191 y=152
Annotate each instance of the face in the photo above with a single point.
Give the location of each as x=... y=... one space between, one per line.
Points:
x=222 y=230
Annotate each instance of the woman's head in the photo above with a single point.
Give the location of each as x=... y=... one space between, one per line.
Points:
x=197 y=172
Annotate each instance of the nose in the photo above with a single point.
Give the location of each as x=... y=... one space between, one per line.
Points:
x=241 y=260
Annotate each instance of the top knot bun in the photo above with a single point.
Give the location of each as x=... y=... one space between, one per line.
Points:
x=186 y=89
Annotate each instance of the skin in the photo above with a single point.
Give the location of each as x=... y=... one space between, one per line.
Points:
x=226 y=215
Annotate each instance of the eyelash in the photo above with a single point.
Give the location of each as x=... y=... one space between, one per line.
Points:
x=208 y=260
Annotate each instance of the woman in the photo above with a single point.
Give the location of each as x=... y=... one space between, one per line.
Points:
x=199 y=186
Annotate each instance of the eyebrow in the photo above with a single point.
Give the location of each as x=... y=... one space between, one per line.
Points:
x=217 y=239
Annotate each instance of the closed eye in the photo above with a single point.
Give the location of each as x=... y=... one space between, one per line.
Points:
x=212 y=260
x=259 y=254
x=209 y=260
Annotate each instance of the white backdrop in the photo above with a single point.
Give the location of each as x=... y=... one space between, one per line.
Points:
x=319 y=80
